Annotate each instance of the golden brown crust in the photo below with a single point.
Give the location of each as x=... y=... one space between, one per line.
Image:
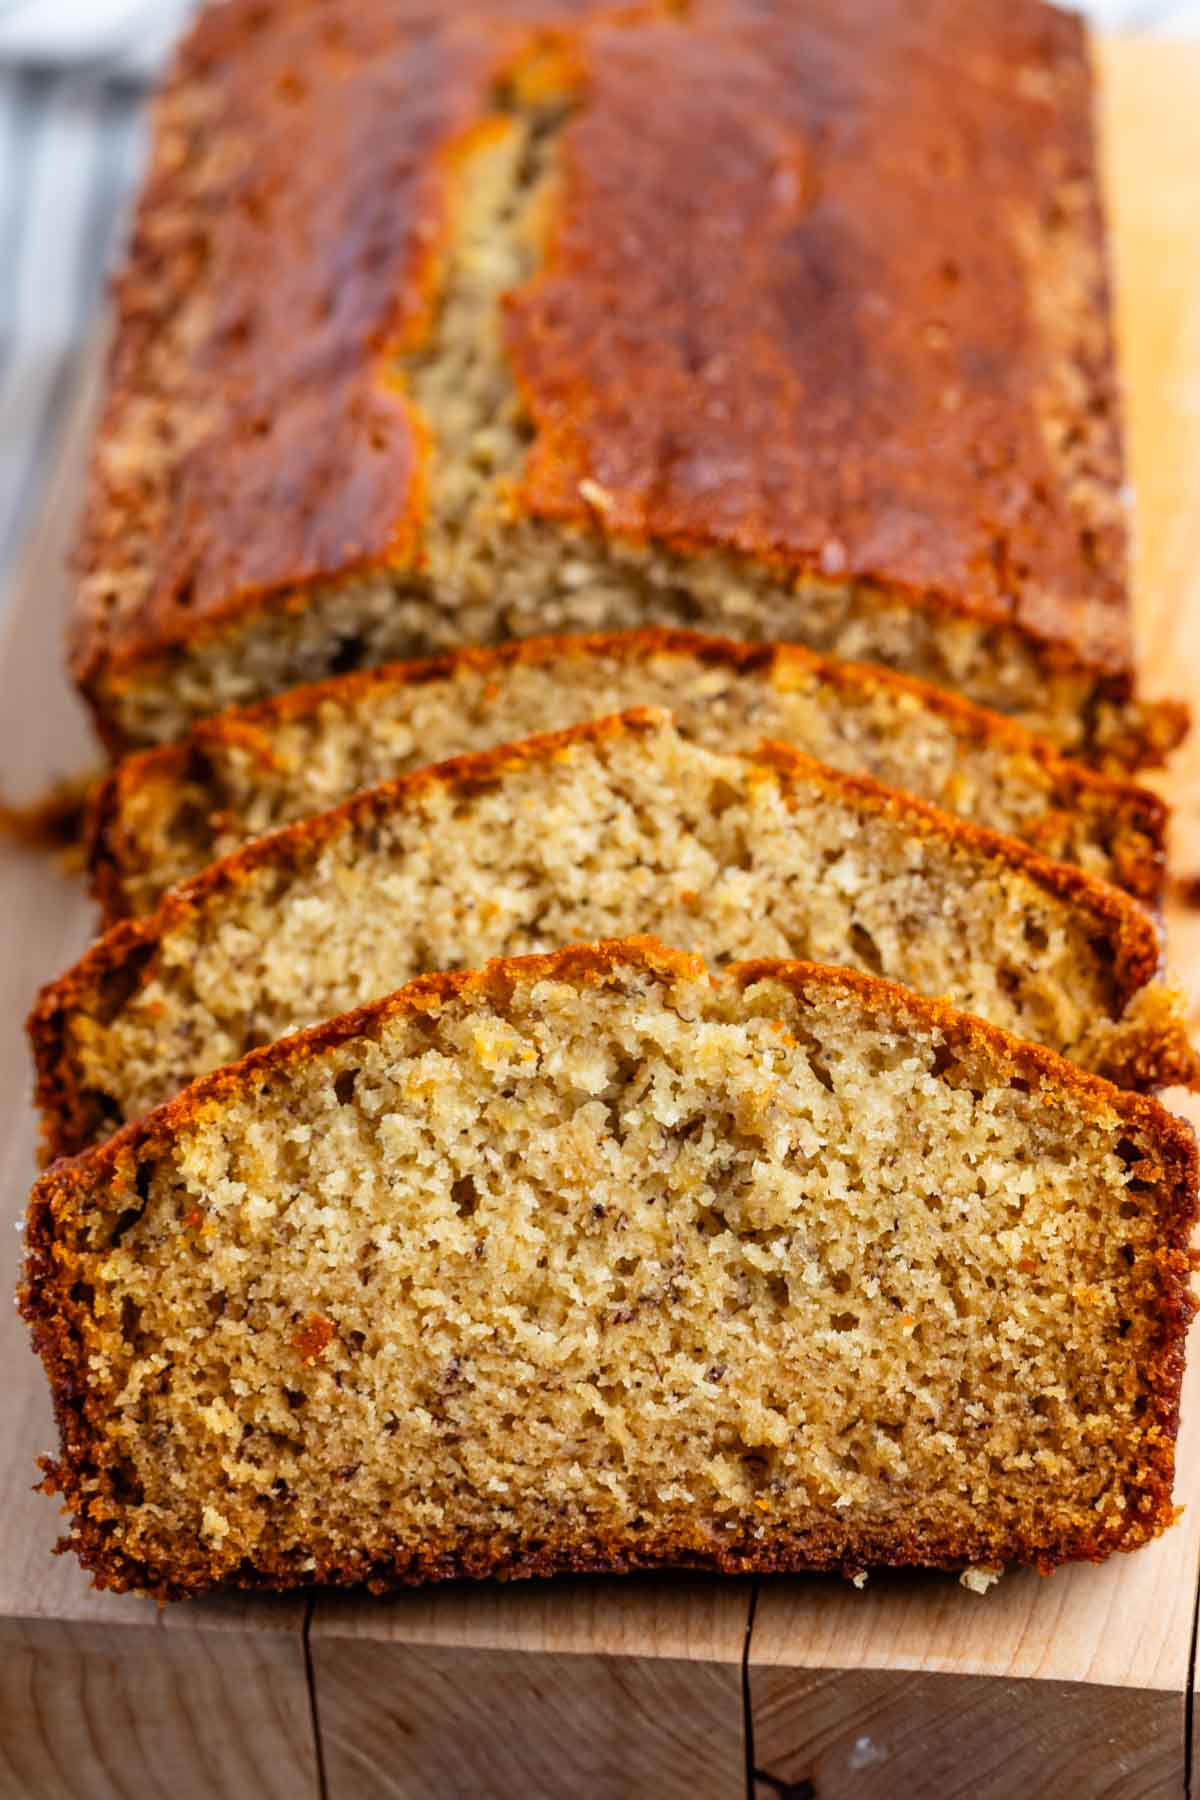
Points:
x=317 y=144
x=932 y=418
x=55 y=1310
x=1134 y=819
x=935 y=414
x=273 y=413
x=120 y=961
x=489 y=1559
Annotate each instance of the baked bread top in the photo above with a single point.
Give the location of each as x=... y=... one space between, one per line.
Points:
x=817 y=290
x=868 y=239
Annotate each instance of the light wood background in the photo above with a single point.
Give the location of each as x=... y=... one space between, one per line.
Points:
x=1075 y=1687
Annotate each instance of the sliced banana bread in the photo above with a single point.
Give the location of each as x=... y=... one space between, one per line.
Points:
x=163 y=814
x=606 y=829
x=786 y=1269
x=447 y=324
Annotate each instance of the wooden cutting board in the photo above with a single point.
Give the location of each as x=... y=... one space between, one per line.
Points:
x=1077 y=1686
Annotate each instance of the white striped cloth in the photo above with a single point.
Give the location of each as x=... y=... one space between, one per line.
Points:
x=68 y=153
x=73 y=75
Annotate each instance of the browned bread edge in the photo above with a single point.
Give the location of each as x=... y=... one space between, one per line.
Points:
x=69 y=1122
x=1139 y=811
x=55 y=1311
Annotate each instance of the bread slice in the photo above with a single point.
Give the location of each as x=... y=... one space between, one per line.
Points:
x=575 y=373
x=599 y=831
x=162 y=815
x=785 y=1269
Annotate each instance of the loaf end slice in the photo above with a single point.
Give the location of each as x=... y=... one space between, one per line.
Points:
x=339 y=432
x=593 y=1262
x=607 y=829
x=164 y=814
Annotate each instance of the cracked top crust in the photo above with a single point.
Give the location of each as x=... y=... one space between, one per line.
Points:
x=283 y=247
x=871 y=252
x=894 y=221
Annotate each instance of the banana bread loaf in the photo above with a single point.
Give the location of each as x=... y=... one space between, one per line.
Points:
x=164 y=814
x=449 y=324
x=728 y=1250
x=607 y=829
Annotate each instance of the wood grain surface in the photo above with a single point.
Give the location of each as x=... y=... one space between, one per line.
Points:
x=878 y=1735
x=1078 y=1685
x=421 y=1722
x=601 y=1687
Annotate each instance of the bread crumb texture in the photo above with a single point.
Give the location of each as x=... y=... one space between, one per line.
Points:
x=610 y=828
x=591 y=1262
x=165 y=814
x=980 y=1581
